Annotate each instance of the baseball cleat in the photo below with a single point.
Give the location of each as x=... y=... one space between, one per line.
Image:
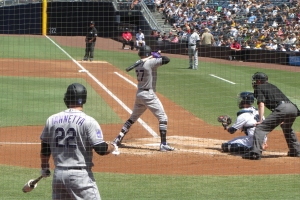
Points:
x=252 y=156
x=117 y=141
x=165 y=147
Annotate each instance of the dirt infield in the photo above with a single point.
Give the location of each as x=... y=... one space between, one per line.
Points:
x=197 y=143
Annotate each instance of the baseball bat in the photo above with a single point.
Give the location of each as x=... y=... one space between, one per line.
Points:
x=31 y=184
x=137 y=63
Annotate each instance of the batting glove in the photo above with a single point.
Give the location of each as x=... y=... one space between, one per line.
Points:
x=45 y=172
x=155 y=54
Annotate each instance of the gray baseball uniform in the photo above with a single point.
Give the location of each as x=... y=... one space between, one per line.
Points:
x=192 y=40
x=71 y=135
x=146 y=99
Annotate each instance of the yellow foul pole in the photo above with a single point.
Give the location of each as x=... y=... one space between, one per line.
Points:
x=44 y=18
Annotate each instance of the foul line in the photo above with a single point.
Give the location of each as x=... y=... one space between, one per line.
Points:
x=148 y=128
x=126 y=79
x=222 y=79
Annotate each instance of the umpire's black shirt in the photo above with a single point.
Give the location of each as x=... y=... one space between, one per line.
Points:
x=92 y=33
x=269 y=94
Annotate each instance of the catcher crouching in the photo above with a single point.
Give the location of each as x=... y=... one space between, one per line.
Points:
x=246 y=121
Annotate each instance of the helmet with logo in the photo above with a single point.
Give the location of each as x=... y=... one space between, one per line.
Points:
x=145 y=51
x=245 y=98
x=76 y=95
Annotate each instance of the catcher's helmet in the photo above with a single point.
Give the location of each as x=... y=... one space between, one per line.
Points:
x=76 y=94
x=259 y=76
x=245 y=98
x=145 y=51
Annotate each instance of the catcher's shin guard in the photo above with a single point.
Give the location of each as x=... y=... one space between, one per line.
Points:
x=224 y=147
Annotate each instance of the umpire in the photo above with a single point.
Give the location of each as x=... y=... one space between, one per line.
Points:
x=284 y=113
x=90 y=41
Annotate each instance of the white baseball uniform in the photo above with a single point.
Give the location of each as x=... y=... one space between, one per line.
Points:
x=140 y=37
x=245 y=121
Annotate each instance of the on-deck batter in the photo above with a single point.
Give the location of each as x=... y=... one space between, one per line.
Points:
x=70 y=136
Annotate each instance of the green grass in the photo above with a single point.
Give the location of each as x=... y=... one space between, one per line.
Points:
x=203 y=95
x=30 y=101
x=129 y=187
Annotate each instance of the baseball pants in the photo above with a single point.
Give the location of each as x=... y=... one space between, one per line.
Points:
x=193 y=57
x=148 y=100
x=69 y=184
x=286 y=113
x=89 y=50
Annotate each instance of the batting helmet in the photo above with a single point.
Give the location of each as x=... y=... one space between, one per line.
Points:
x=76 y=94
x=145 y=51
x=259 y=76
x=245 y=98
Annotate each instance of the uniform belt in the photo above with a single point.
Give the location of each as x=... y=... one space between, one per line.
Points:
x=71 y=168
x=75 y=168
x=191 y=45
x=146 y=89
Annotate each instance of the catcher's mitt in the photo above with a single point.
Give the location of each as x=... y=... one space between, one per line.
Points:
x=225 y=120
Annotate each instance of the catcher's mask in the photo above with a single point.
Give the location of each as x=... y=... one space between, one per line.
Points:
x=259 y=76
x=76 y=95
x=145 y=51
x=245 y=98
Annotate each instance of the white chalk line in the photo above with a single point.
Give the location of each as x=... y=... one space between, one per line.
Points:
x=222 y=79
x=148 y=128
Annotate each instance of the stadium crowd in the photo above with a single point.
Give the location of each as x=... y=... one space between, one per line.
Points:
x=255 y=24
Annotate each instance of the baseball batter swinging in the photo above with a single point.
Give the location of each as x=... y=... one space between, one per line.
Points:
x=146 y=98
x=70 y=136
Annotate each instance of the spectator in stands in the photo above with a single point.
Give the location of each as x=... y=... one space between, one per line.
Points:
x=134 y=5
x=159 y=37
x=153 y=33
x=285 y=39
x=164 y=36
x=235 y=50
x=272 y=45
x=258 y=44
x=282 y=48
x=260 y=18
x=175 y=38
x=220 y=41
x=292 y=39
x=252 y=18
x=140 y=39
x=233 y=31
x=158 y=5
x=280 y=31
x=247 y=46
x=293 y=48
x=207 y=38
x=127 y=39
